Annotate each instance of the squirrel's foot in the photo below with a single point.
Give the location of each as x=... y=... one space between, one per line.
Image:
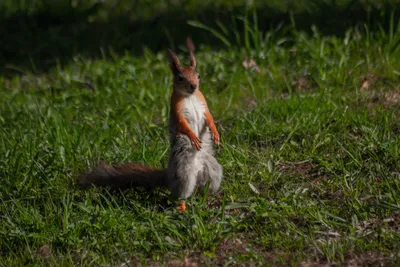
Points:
x=182 y=206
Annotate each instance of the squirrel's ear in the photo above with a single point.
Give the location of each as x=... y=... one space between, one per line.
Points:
x=190 y=47
x=174 y=62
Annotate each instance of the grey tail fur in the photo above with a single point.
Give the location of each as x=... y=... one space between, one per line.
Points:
x=123 y=176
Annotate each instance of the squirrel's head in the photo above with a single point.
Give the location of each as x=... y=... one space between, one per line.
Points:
x=186 y=79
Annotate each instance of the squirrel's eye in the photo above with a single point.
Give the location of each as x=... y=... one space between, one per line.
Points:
x=180 y=78
x=198 y=76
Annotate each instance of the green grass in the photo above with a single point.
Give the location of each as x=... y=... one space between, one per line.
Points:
x=311 y=157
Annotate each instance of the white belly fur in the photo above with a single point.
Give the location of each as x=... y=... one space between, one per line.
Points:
x=194 y=113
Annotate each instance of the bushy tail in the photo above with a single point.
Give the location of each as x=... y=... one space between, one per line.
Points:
x=123 y=176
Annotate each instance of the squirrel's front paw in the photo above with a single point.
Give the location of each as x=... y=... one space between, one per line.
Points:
x=215 y=136
x=195 y=141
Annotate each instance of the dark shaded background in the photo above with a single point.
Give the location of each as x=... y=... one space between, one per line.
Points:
x=35 y=39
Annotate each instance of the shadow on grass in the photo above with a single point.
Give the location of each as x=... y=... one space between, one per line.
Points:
x=41 y=41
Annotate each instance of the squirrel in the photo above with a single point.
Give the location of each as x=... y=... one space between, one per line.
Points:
x=191 y=128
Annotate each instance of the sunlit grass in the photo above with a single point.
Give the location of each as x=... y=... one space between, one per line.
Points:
x=310 y=154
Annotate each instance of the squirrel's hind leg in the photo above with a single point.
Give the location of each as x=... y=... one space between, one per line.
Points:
x=211 y=173
x=183 y=186
x=215 y=174
x=183 y=169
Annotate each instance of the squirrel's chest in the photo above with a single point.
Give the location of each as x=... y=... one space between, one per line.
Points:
x=194 y=111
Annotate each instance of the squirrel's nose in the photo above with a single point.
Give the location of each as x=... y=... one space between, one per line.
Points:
x=193 y=87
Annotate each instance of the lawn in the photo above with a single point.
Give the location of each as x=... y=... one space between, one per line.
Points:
x=306 y=99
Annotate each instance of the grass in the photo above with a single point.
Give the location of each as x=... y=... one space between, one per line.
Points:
x=310 y=150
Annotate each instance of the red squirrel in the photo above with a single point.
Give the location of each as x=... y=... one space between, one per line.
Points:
x=192 y=129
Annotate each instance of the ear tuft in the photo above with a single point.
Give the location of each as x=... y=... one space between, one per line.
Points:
x=189 y=44
x=190 y=47
x=174 y=62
